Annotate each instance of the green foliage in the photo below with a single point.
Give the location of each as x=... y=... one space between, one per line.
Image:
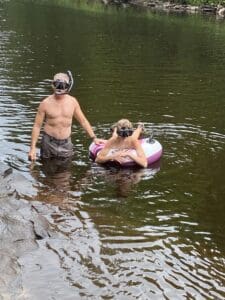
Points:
x=198 y=2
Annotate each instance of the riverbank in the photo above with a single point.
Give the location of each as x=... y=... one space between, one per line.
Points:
x=155 y=5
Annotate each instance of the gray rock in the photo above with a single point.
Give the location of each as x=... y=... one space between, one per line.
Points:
x=21 y=226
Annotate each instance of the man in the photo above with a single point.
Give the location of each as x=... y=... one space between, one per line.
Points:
x=57 y=112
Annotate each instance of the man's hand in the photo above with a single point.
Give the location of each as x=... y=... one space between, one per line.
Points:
x=99 y=141
x=32 y=154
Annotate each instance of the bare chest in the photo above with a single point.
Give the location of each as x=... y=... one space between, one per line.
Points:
x=59 y=111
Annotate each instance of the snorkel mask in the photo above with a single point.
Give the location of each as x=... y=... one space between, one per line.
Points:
x=122 y=128
x=124 y=132
x=63 y=83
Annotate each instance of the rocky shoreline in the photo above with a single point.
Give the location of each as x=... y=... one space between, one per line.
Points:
x=156 y=5
x=36 y=246
x=21 y=226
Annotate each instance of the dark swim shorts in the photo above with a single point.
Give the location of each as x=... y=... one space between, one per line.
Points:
x=54 y=148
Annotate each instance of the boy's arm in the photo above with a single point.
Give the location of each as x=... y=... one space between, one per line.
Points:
x=138 y=131
x=102 y=155
x=140 y=158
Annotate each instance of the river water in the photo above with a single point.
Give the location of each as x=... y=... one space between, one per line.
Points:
x=120 y=234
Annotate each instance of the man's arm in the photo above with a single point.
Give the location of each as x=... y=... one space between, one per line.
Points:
x=36 y=131
x=80 y=117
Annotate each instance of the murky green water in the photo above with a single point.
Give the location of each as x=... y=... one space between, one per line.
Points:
x=148 y=234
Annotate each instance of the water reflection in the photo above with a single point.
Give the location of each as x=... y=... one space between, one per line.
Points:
x=52 y=177
x=58 y=177
x=124 y=180
x=57 y=172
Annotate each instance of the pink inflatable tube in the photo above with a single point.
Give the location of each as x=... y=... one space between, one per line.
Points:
x=152 y=149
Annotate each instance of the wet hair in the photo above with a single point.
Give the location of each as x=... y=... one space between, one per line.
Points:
x=124 y=128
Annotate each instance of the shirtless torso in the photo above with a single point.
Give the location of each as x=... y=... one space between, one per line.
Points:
x=58 y=115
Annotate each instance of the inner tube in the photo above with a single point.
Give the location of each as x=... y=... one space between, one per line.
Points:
x=152 y=149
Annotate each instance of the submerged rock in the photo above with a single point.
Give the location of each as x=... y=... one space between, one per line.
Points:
x=20 y=227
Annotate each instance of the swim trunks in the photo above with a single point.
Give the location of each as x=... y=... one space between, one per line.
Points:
x=55 y=148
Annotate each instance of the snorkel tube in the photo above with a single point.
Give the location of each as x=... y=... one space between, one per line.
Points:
x=71 y=81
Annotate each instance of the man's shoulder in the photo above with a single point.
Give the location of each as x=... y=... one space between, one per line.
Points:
x=73 y=101
x=72 y=98
x=43 y=103
x=46 y=99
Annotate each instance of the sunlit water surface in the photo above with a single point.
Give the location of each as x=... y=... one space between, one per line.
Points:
x=156 y=233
